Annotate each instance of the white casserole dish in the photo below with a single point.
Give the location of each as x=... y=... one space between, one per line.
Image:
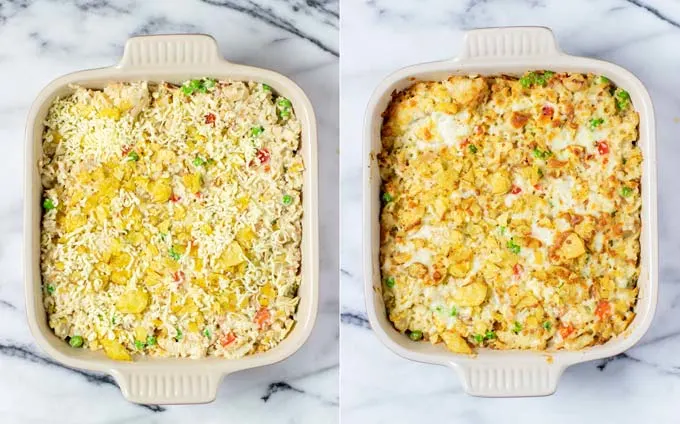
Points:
x=171 y=58
x=510 y=51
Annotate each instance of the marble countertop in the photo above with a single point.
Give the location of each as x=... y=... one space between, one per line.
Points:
x=43 y=39
x=381 y=36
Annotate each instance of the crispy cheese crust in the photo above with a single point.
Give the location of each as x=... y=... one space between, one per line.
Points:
x=511 y=211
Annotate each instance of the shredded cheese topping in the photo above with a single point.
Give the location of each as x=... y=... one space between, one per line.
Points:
x=172 y=221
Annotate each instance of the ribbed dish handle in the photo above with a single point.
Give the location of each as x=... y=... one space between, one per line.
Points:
x=158 y=387
x=153 y=51
x=509 y=380
x=510 y=42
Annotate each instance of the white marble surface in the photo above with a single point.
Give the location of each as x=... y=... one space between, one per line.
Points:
x=42 y=39
x=380 y=36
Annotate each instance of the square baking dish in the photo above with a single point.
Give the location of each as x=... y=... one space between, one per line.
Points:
x=171 y=58
x=510 y=51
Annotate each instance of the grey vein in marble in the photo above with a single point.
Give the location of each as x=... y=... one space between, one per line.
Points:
x=324 y=11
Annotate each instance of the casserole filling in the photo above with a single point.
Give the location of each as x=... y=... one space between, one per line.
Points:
x=511 y=211
x=172 y=218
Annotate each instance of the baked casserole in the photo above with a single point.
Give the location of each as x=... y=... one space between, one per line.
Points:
x=511 y=211
x=172 y=218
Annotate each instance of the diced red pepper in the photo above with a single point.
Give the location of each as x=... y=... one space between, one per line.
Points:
x=175 y=198
x=515 y=190
x=126 y=149
x=227 y=339
x=602 y=147
x=210 y=118
x=263 y=156
x=603 y=309
x=199 y=195
x=547 y=111
x=537 y=187
x=262 y=317
x=517 y=269
x=178 y=276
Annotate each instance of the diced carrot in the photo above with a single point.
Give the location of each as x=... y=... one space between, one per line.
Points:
x=178 y=276
x=517 y=269
x=566 y=331
x=262 y=317
x=210 y=118
x=227 y=339
x=603 y=309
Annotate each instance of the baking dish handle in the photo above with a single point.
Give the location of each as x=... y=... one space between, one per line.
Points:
x=175 y=387
x=153 y=51
x=509 y=43
x=491 y=379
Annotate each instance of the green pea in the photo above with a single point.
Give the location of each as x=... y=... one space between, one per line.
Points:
x=454 y=311
x=284 y=103
x=48 y=204
x=602 y=80
x=150 y=341
x=478 y=338
x=76 y=341
x=416 y=335
x=541 y=154
x=284 y=113
x=287 y=199
x=387 y=197
x=179 y=335
x=139 y=345
x=255 y=131
x=527 y=80
x=209 y=83
x=622 y=98
x=50 y=288
x=389 y=282
x=207 y=333
x=186 y=89
x=547 y=325
x=472 y=148
x=174 y=254
x=489 y=335
x=514 y=247
x=594 y=123
x=626 y=191
x=198 y=161
x=517 y=327
x=132 y=156
x=265 y=87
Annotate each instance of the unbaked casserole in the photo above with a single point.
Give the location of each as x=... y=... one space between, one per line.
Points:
x=172 y=218
x=511 y=211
